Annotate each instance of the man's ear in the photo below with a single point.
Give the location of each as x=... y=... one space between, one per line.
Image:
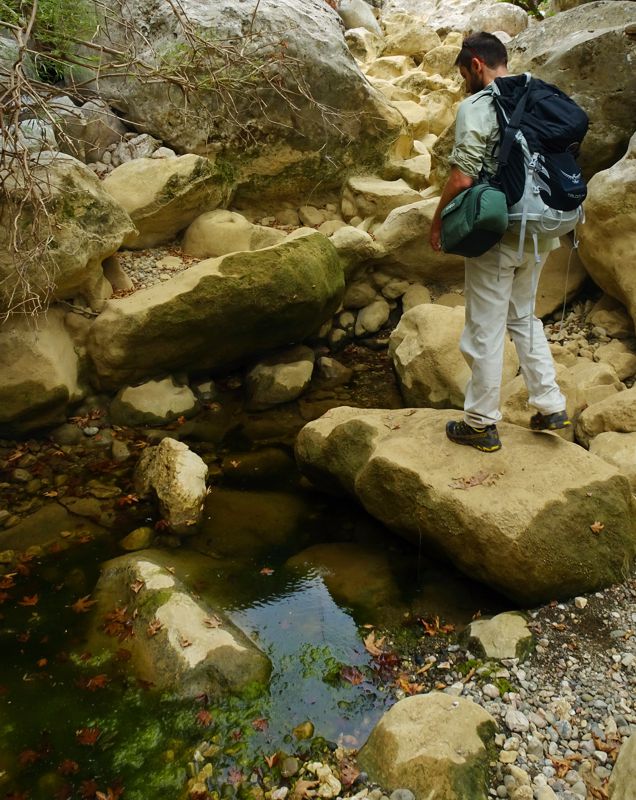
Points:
x=476 y=65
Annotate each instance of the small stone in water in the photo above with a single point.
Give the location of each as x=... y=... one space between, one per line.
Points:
x=90 y=431
x=304 y=731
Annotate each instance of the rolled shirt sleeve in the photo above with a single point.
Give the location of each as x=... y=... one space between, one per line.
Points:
x=476 y=136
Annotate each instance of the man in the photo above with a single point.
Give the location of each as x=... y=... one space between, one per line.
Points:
x=500 y=290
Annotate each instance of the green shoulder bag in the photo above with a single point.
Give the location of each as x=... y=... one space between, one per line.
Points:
x=474 y=221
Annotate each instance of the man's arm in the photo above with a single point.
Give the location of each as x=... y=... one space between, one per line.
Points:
x=456 y=183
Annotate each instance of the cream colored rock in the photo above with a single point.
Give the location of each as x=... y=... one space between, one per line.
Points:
x=562 y=276
x=389 y=67
x=83 y=226
x=417 y=117
x=217 y=233
x=364 y=45
x=102 y=128
x=433 y=744
x=420 y=83
x=504 y=636
x=223 y=311
x=441 y=60
x=438 y=106
x=608 y=237
x=415 y=295
x=358 y=14
x=499 y=17
x=415 y=171
x=618 y=449
x=565 y=49
x=622 y=783
x=616 y=413
x=371 y=318
x=408 y=35
x=495 y=521
x=116 y=275
x=280 y=378
x=451 y=15
x=186 y=655
x=620 y=356
x=39 y=373
x=404 y=237
x=354 y=246
x=153 y=403
x=163 y=196
x=263 y=236
x=451 y=300
x=425 y=351
x=177 y=476
x=359 y=294
x=370 y=196
x=615 y=322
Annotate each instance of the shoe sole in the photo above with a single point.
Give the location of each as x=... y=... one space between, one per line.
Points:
x=480 y=447
x=567 y=424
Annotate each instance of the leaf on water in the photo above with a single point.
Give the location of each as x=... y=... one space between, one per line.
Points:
x=42 y=662
x=88 y=789
x=272 y=760
x=28 y=757
x=482 y=478
x=304 y=789
x=88 y=736
x=204 y=718
x=97 y=682
x=50 y=493
x=127 y=500
x=110 y=794
x=597 y=527
x=68 y=767
x=373 y=645
x=29 y=600
x=352 y=675
x=267 y=571
x=83 y=605
x=409 y=687
x=137 y=586
x=435 y=627
x=260 y=724
x=6 y=581
x=213 y=621
x=154 y=626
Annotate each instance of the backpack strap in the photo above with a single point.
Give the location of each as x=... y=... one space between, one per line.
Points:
x=512 y=127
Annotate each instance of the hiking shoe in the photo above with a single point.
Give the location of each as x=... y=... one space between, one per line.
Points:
x=550 y=422
x=485 y=439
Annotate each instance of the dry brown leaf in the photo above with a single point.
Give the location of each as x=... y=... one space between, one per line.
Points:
x=154 y=626
x=184 y=641
x=137 y=586
x=597 y=527
x=482 y=478
x=212 y=622
x=304 y=789
x=373 y=645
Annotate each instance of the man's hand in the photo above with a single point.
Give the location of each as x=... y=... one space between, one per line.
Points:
x=456 y=183
x=435 y=236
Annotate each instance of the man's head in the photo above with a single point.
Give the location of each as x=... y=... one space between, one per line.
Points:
x=482 y=58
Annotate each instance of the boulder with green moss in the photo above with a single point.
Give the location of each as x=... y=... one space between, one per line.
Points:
x=219 y=313
x=434 y=744
x=178 y=643
x=503 y=636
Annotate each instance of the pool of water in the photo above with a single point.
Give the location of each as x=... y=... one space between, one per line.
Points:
x=304 y=574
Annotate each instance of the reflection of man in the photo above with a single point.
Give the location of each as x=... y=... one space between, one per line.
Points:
x=500 y=290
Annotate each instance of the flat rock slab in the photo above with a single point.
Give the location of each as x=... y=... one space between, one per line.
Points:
x=504 y=636
x=521 y=520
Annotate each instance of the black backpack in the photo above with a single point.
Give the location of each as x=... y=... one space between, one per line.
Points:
x=541 y=133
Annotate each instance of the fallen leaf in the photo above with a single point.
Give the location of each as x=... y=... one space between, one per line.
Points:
x=88 y=789
x=212 y=622
x=271 y=760
x=304 y=789
x=482 y=478
x=50 y=493
x=68 y=767
x=597 y=527
x=83 y=605
x=348 y=773
x=434 y=628
x=29 y=600
x=267 y=571
x=137 y=586
x=154 y=626
x=6 y=581
x=204 y=718
x=260 y=724
x=28 y=757
x=184 y=641
x=88 y=736
x=407 y=686
x=97 y=682
x=373 y=645
x=352 y=675
x=42 y=662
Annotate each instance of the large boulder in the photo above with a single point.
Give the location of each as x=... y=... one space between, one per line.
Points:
x=608 y=237
x=494 y=17
x=495 y=521
x=153 y=403
x=302 y=89
x=39 y=372
x=614 y=413
x=440 y=15
x=622 y=784
x=80 y=228
x=280 y=378
x=369 y=196
x=178 y=643
x=176 y=476
x=218 y=313
x=164 y=195
x=562 y=276
x=436 y=745
x=429 y=365
x=618 y=449
x=586 y=52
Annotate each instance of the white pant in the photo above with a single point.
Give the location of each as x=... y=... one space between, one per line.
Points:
x=500 y=294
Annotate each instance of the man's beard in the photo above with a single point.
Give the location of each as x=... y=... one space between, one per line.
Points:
x=476 y=83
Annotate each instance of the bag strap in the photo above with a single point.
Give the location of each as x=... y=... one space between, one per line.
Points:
x=512 y=127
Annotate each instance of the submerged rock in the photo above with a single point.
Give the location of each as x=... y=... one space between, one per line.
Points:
x=280 y=378
x=153 y=403
x=177 y=642
x=496 y=522
x=433 y=744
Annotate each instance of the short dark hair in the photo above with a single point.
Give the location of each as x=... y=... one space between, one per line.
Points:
x=485 y=47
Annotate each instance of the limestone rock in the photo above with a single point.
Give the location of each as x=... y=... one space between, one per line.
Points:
x=330 y=372
x=415 y=295
x=620 y=356
x=39 y=373
x=359 y=294
x=85 y=226
x=495 y=522
x=441 y=60
x=285 y=130
x=618 y=449
x=615 y=322
x=177 y=476
x=407 y=35
x=364 y=45
x=622 y=784
x=371 y=318
x=608 y=237
x=499 y=17
x=46 y=527
x=139 y=539
x=588 y=40
x=153 y=403
x=372 y=197
x=220 y=312
x=439 y=107
x=185 y=655
x=562 y=276
x=163 y=196
x=358 y=14
x=280 y=378
x=217 y=233
x=354 y=246
x=389 y=67
x=504 y=636
x=452 y=15
x=425 y=351
x=616 y=413
x=433 y=744
x=404 y=238
x=102 y=128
